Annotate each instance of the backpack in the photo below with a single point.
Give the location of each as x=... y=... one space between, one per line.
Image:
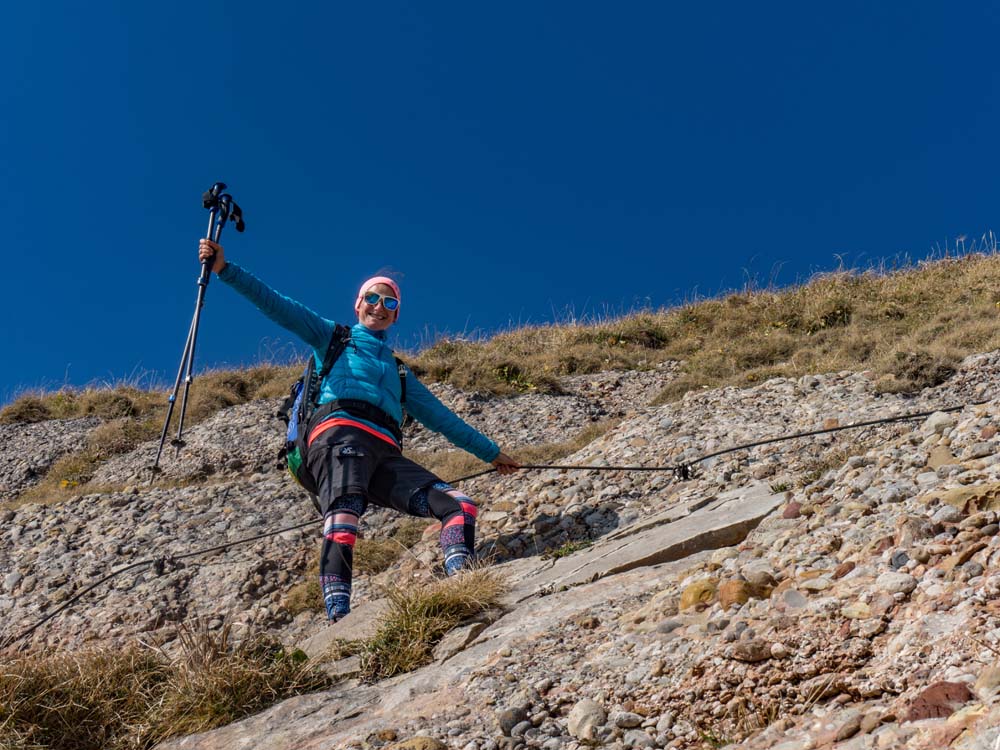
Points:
x=300 y=409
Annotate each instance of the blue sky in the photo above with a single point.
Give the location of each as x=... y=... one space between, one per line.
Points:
x=511 y=163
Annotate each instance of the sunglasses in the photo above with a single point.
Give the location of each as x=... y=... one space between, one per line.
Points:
x=373 y=298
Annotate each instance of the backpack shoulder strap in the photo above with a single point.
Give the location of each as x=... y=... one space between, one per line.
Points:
x=401 y=369
x=338 y=342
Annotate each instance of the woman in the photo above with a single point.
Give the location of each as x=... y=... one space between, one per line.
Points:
x=354 y=445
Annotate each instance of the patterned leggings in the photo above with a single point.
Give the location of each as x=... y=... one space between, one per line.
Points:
x=455 y=511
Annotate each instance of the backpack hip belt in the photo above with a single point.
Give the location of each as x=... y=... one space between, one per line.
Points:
x=361 y=410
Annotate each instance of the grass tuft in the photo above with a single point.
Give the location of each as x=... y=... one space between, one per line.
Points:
x=305 y=596
x=419 y=616
x=567 y=549
x=27 y=409
x=91 y=700
x=914 y=371
x=118 y=699
x=217 y=683
x=373 y=555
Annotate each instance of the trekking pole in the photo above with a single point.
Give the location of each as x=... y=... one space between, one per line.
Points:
x=221 y=208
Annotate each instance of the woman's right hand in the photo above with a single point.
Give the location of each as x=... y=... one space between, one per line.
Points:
x=206 y=249
x=505 y=464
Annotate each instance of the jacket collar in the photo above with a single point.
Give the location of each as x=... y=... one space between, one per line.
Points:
x=361 y=327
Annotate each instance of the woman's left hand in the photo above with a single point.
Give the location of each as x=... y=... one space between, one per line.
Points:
x=505 y=464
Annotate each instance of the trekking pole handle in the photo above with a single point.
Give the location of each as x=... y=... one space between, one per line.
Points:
x=212 y=234
x=209 y=234
x=225 y=206
x=222 y=208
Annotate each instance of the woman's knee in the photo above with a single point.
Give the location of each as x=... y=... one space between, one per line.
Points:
x=443 y=501
x=340 y=523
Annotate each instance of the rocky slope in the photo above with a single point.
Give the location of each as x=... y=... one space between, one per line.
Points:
x=833 y=591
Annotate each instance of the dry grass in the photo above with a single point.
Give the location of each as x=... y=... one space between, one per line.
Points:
x=218 y=683
x=533 y=358
x=343 y=648
x=833 y=458
x=97 y=699
x=27 y=409
x=135 y=697
x=911 y=327
x=419 y=616
x=372 y=555
x=210 y=392
x=409 y=531
x=113 y=699
x=305 y=596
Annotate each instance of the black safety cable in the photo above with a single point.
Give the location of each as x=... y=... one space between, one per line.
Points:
x=683 y=471
x=521 y=467
x=680 y=471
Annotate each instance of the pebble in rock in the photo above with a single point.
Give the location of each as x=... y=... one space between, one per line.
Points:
x=638 y=738
x=625 y=719
x=585 y=718
x=893 y=583
x=510 y=718
x=751 y=651
x=947 y=514
x=420 y=743
x=779 y=650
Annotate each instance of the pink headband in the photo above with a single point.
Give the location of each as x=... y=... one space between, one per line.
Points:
x=378 y=280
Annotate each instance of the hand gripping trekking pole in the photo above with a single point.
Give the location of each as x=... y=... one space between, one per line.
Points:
x=221 y=208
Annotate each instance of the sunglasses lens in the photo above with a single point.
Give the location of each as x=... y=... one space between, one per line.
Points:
x=389 y=303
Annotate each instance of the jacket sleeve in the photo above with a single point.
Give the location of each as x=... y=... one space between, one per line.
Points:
x=425 y=407
x=314 y=329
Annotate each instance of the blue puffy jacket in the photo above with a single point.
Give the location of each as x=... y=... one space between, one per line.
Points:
x=365 y=371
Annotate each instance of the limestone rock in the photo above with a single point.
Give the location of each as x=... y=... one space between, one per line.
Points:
x=881 y=587
x=973 y=498
x=939 y=700
x=420 y=743
x=988 y=682
x=733 y=592
x=585 y=718
x=896 y=583
x=940 y=456
x=699 y=594
x=752 y=651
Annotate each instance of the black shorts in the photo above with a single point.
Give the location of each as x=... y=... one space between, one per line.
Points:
x=347 y=460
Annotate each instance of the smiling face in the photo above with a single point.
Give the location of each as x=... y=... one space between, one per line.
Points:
x=376 y=317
